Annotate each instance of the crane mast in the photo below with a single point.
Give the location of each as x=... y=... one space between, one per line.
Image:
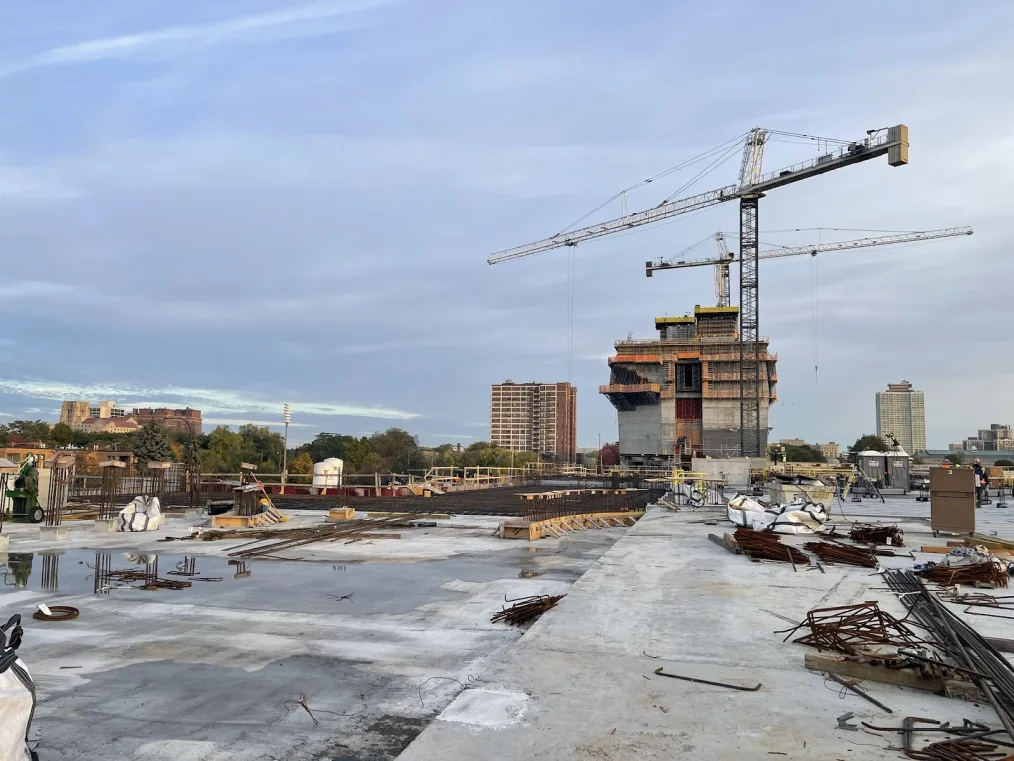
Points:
x=753 y=184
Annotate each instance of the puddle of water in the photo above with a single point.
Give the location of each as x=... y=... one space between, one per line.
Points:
x=266 y=584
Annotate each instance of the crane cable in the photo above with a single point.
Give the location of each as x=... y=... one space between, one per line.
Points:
x=814 y=309
x=735 y=142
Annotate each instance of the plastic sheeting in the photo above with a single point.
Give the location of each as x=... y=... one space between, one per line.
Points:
x=142 y=514
x=17 y=697
x=792 y=518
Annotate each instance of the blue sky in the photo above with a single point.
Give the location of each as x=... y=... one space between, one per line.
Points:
x=247 y=202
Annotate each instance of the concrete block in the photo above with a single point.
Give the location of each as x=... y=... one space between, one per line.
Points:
x=51 y=533
x=5 y=542
x=105 y=525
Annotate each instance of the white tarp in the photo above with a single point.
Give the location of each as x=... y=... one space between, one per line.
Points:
x=17 y=698
x=792 y=518
x=142 y=514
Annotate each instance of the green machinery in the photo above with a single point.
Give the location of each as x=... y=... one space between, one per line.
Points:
x=25 y=494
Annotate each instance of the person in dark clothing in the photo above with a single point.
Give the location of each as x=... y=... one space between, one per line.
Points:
x=981 y=483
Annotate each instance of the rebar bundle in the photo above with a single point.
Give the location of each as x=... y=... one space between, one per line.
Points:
x=526 y=609
x=848 y=628
x=761 y=545
x=990 y=572
x=840 y=553
x=990 y=671
x=877 y=534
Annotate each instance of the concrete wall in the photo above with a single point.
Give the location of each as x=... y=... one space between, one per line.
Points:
x=640 y=430
x=721 y=436
x=734 y=470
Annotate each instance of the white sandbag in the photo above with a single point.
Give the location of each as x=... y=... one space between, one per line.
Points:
x=142 y=514
x=744 y=510
x=793 y=518
x=17 y=696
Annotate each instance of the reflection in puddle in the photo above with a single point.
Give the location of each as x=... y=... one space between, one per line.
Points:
x=107 y=578
x=17 y=570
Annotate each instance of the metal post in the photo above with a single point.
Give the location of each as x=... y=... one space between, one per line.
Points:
x=287 y=416
x=749 y=336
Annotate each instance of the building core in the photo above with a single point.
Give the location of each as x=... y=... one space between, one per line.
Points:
x=678 y=395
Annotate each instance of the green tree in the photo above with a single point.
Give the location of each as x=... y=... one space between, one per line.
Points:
x=1002 y=463
x=5 y=436
x=301 y=468
x=958 y=458
x=863 y=443
x=61 y=435
x=29 y=430
x=804 y=453
x=352 y=451
x=151 y=444
x=395 y=446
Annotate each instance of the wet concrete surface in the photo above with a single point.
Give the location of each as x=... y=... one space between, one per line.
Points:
x=296 y=587
x=215 y=671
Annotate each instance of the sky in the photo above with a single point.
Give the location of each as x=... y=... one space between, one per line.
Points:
x=238 y=204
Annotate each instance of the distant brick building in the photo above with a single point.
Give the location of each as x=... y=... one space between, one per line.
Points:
x=175 y=421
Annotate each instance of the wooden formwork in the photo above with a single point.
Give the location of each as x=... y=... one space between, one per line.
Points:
x=557 y=527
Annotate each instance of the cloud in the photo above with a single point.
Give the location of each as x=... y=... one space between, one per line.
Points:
x=31 y=289
x=300 y=21
x=207 y=400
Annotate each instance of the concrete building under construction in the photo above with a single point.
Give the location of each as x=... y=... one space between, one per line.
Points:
x=678 y=395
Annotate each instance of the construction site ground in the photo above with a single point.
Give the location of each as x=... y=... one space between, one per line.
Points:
x=409 y=666
x=211 y=672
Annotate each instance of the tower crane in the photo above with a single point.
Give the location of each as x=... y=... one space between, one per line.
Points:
x=752 y=185
x=725 y=257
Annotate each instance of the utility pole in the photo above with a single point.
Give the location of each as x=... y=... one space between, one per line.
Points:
x=600 y=453
x=287 y=417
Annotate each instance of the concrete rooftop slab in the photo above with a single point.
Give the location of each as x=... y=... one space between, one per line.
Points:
x=582 y=679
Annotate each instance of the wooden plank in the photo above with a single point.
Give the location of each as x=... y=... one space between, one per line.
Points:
x=902 y=677
x=989 y=541
x=936 y=550
x=721 y=542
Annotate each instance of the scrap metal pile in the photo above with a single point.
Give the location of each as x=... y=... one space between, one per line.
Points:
x=850 y=629
x=842 y=553
x=868 y=533
x=987 y=570
x=525 y=609
x=761 y=545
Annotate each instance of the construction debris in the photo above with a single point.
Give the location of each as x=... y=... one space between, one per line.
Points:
x=867 y=533
x=760 y=545
x=660 y=672
x=525 y=609
x=969 y=745
x=991 y=673
x=851 y=628
x=841 y=553
x=989 y=571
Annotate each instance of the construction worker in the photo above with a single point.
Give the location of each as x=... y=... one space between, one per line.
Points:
x=980 y=481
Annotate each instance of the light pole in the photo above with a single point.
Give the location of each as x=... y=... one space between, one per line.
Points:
x=287 y=417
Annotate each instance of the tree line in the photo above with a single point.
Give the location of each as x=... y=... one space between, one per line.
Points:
x=223 y=449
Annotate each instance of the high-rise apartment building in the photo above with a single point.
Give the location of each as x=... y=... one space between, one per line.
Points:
x=534 y=417
x=678 y=395
x=901 y=412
